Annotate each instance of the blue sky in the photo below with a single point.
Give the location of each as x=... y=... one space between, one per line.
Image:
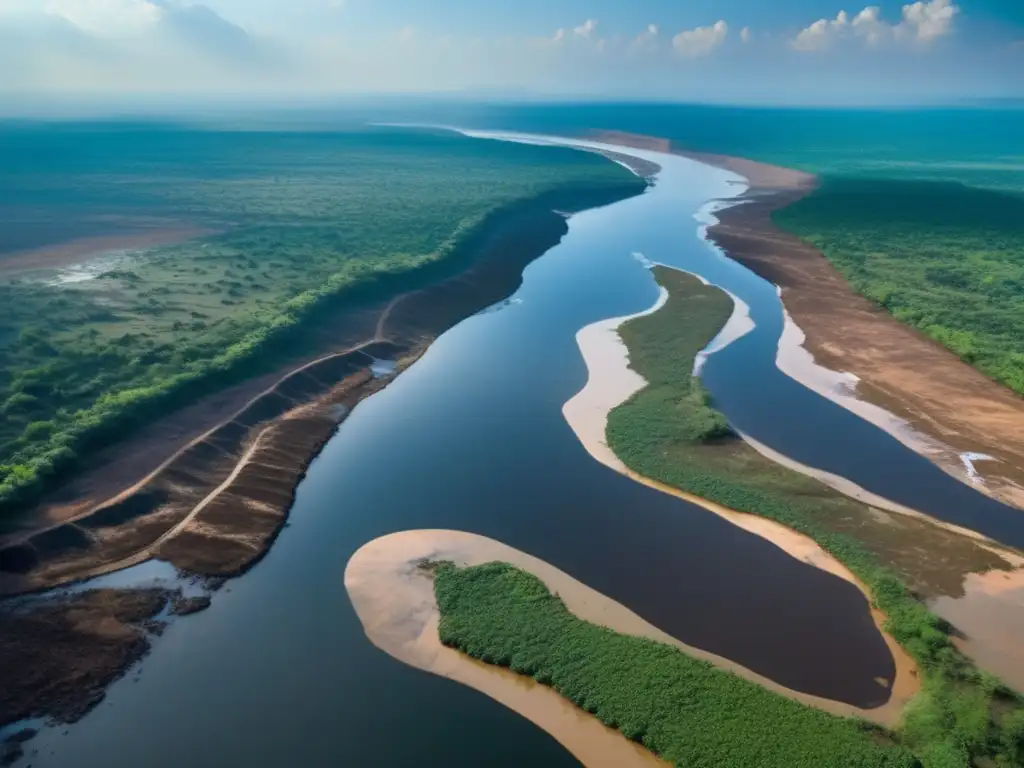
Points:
x=772 y=51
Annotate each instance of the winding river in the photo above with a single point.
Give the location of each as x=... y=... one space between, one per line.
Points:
x=472 y=438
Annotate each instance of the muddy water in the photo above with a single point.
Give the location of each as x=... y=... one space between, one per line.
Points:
x=472 y=438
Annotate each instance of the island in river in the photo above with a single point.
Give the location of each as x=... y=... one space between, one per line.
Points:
x=666 y=431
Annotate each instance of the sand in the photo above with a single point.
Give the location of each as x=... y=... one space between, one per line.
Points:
x=394 y=600
x=611 y=382
x=954 y=416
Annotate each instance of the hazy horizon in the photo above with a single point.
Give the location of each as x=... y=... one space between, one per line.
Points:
x=155 y=55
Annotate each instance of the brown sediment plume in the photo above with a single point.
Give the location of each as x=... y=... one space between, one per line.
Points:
x=610 y=382
x=393 y=596
x=989 y=619
x=953 y=410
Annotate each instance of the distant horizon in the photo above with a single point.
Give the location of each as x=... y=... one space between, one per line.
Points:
x=58 y=54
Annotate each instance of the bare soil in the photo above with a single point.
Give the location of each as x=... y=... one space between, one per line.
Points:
x=954 y=403
x=57 y=657
x=208 y=488
x=79 y=250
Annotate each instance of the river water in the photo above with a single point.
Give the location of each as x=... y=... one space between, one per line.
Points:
x=278 y=671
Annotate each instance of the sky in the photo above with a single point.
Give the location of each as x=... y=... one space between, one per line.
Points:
x=741 y=51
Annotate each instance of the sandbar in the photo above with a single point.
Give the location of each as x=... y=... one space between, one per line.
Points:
x=610 y=383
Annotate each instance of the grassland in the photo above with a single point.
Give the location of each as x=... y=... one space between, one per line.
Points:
x=944 y=258
x=305 y=219
x=682 y=709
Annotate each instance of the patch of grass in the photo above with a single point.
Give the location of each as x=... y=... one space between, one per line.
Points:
x=961 y=715
x=939 y=256
x=683 y=709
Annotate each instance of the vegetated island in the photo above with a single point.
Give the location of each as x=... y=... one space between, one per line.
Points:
x=669 y=433
x=888 y=278
x=212 y=503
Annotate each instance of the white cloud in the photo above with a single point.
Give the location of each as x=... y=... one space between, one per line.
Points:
x=930 y=20
x=921 y=23
x=407 y=33
x=586 y=29
x=700 y=41
x=647 y=39
x=745 y=34
x=559 y=36
x=820 y=34
x=99 y=17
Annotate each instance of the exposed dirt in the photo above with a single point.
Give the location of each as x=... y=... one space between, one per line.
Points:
x=954 y=403
x=57 y=657
x=82 y=249
x=214 y=504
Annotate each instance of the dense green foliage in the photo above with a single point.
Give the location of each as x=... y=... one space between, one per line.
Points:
x=303 y=219
x=683 y=709
x=942 y=257
x=961 y=713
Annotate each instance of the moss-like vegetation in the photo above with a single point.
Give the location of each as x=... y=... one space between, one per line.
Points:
x=940 y=256
x=962 y=716
x=308 y=221
x=684 y=710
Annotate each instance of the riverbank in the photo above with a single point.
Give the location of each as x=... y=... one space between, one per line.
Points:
x=186 y=509
x=970 y=426
x=954 y=416
x=668 y=432
x=216 y=506
x=393 y=596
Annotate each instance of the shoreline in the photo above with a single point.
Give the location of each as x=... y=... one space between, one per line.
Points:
x=886 y=391
x=290 y=422
x=218 y=505
x=610 y=383
x=394 y=600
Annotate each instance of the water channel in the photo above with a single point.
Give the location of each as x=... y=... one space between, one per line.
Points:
x=278 y=671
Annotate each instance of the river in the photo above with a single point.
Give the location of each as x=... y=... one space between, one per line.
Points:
x=471 y=437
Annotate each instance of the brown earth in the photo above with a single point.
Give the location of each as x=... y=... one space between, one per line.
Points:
x=66 y=254
x=57 y=657
x=212 y=504
x=954 y=403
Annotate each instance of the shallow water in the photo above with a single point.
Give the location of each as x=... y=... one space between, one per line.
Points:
x=472 y=438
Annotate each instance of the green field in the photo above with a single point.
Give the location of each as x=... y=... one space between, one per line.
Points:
x=668 y=433
x=943 y=257
x=684 y=710
x=301 y=219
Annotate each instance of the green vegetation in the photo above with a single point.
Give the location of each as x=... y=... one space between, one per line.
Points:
x=684 y=710
x=305 y=221
x=962 y=716
x=942 y=257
